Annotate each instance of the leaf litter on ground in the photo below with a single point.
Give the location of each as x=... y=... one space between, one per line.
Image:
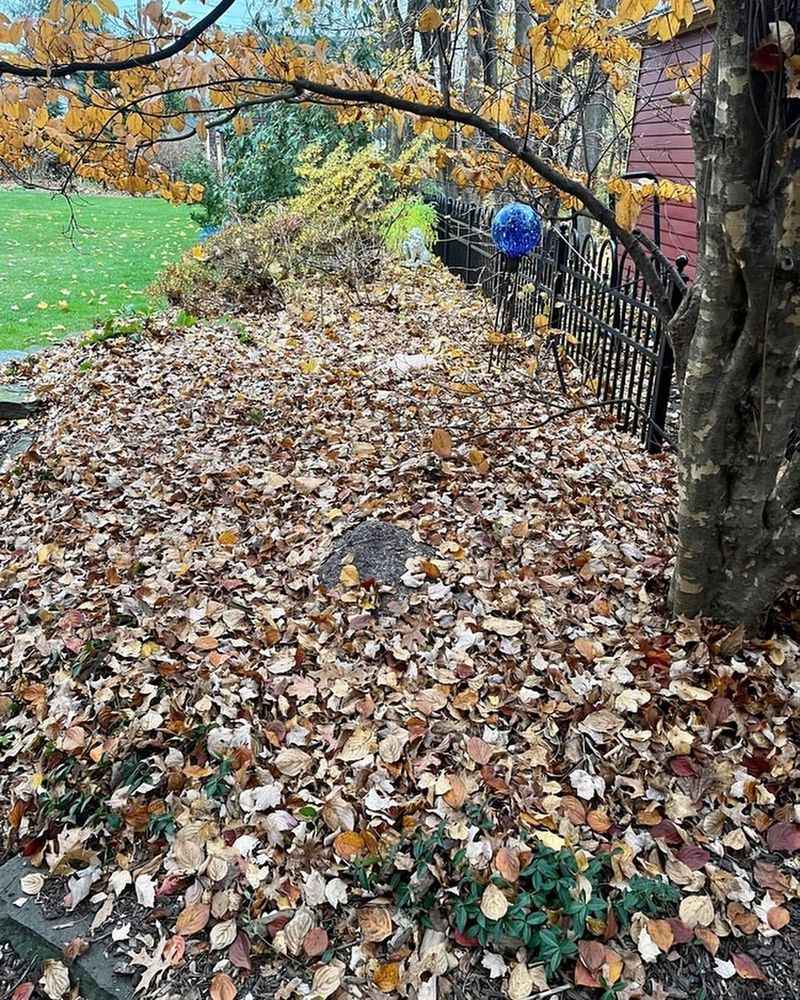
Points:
x=190 y=725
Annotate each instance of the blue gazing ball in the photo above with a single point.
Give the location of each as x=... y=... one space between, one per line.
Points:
x=516 y=229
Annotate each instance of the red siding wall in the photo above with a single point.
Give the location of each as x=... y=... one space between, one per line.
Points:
x=661 y=142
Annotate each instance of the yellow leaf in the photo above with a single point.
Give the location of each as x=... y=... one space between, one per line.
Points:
x=387 y=977
x=228 y=537
x=197 y=253
x=349 y=576
x=430 y=19
x=551 y=840
x=304 y=6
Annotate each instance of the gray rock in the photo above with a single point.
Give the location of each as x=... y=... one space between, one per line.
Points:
x=34 y=937
x=378 y=551
x=17 y=403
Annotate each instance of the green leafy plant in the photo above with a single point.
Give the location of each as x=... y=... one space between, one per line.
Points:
x=646 y=895
x=403 y=215
x=261 y=165
x=552 y=904
x=126 y=322
x=210 y=211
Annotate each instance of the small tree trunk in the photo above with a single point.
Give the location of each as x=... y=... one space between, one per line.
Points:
x=739 y=541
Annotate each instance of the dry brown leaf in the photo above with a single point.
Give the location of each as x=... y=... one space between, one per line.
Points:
x=661 y=933
x=222 y=987
x=456 y=795
x=192 y=919
x=708 y=939
x=506 y=864
x=503 y=626
x=479 y=751
x=778 y=917
x=375 y=923
x=746 y=967
x=316 y=942
x=441 y=443
x=494 y=904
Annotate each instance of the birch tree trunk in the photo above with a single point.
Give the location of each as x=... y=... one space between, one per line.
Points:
x=739 y=522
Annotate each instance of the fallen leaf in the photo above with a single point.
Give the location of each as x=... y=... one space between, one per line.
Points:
x=192 y=919
x=784 y=837
x=746 y=968
x=387 y=977
x=503 y=626
x=696 y=911
x=222 y=987
x=315 y=942
x=349 y=844
x=441 y=443
x=494 y=904
x=375 y=923
x=55 y=979
x=506 y=864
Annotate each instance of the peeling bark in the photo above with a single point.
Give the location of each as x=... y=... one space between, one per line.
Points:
x=738 y=547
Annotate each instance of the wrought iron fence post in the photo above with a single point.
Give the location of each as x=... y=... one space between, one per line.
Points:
x=472 y=225
x=659 y=407
x=665 y=373
x=559 y=279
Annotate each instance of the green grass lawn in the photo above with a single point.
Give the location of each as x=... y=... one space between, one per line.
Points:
x=53 y=284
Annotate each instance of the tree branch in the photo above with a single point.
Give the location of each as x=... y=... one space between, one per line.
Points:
x=134 y=62
x=569 y=185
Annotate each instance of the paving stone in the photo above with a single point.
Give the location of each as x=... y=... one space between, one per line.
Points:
x=33 y=936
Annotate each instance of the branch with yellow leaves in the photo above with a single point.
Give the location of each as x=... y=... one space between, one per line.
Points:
x=114 y=66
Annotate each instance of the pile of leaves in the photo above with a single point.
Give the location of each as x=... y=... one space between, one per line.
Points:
x=514 y=763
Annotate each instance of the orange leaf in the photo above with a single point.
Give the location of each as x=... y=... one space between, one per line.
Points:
x=709 y=939
x=348 y=844
x=661 y=933
x=441 y=443
x=387 y=977
x=222 y=987
x=778 y=917
x=192 y=919
x=506 y=863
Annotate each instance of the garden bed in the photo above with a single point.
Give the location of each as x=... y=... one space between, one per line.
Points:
x=298 y=769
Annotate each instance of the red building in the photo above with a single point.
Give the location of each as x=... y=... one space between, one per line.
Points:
x=661 y=143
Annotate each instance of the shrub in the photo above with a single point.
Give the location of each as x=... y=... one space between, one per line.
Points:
x=233 y=270
x=261 y=165
x=211 y=209
x=403 y=215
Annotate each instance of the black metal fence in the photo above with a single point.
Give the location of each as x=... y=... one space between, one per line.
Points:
x=591 y=292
